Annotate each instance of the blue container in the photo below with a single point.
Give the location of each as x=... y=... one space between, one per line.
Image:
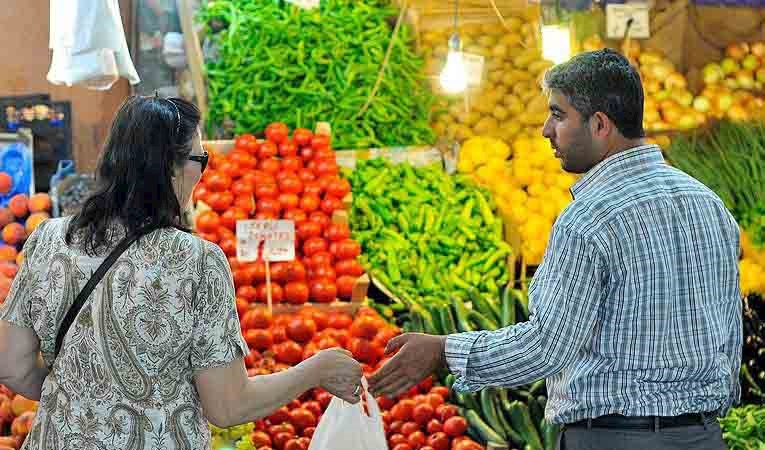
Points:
x=16 y=161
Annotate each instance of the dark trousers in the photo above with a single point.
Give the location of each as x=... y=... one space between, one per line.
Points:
x=695 y=437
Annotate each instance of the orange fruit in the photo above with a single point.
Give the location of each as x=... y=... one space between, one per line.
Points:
x=39 y=202
x=9 y=269
x=6 y=183
x=8 y=253
x=6 y=217
x=19 y=205
x=34 y=220
x=19 y=257
x=14 y=233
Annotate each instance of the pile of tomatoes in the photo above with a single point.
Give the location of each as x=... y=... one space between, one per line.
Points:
x=423 y=420
x=292 y=178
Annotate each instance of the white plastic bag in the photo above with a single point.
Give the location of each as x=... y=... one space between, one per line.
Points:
x=346 y=427
x=89 y=45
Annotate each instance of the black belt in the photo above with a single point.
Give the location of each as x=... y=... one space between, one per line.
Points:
x=646 y=423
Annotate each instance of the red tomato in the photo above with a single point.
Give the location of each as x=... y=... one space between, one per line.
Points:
x=305 y=441
x=301 y=329
x=302 y=418
x=346 y=249
x=242 y=306
x=313 y=406
x=467 y=445
x=277 y=293
x=288 y=352
x=308 y=230
x=279 y=271
x=314 y=245
x=328 y=155
x=323 y=291
x=270 y=165
x=257 y=271
x=438 y=441
x=266 y=215
x=296 y=215
x=326 y=167
x=435 y=400
x=309 y=202
x=324 y=271
x=312 y=188
x=209 y=221
x=260 y=439
x=320 y=259
x=296 y=292
x=242 y=141
x=320 y=142
x=279 y=334
x=266 y=191
x=242 y=187
x=306 y=153
x=218 y=181
x=308 y=432
x=345 y=285
x=306 y=175
x=287 y=149
x=349 y=267
x=200 y=193
x=337 y=232
x=283 y=173
x=269 y=205
x=281 y=439
x=230 y=169
x=443 y=391
x=403 y=446
x=228 y=245
x=385 y=403
x=320 y=218
x=220 y=201
x=280 y=418
x=291 y=185
x=339 y=187
x=395 y=426
x=242 y=159
x=231 y=216
x=417 y=439
x=455 y=426
x=295 y=271
x=331 y=204
x=245 y=203
x=248 y=293
x=396 y=439
x=288 y=201
x=444 y=412
x=292 y=444
x=277 y=132
x=292 y=164
x=259 y=339
x=242 y=277
x=403 y=410
x=267 y=150
x=302 y=136
x=409 y=428
x=423 y=413
x=434 y=426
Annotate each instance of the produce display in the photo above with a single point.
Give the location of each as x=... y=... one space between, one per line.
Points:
x=16 y=416
x=18 y=220
x=730 y=159
x=510 y=98
x=744 y=428
x=282 y=177
x=276 y=62
x=753 y=354
x=426 y=235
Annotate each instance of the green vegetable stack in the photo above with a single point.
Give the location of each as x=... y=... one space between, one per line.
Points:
x=273 y=61
x=428 y=237
x=744 y=428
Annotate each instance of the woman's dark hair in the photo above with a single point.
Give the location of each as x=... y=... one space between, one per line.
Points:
x=604 y=81
x=149 y=138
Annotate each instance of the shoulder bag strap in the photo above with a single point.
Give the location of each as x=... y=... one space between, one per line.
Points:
x=82 y=297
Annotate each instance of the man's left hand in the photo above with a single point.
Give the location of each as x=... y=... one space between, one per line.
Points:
x=419 y=356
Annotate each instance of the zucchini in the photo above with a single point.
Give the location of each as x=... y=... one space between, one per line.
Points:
x=536 y=387
x=485 y=432
x=499 y=396
x=483 y=305
x=508 y=307
x=447 y=320
x=520 y=419
x=490 y=413
x=461 y=311
x=536 y=411
x=550 y=433
x=481 y=321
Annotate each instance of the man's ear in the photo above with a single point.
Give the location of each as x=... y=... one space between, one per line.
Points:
x=600 y=125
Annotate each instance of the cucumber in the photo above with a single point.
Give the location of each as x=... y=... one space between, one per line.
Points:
x=508 y=308
x=447 y=320
x=520 y=419
x=523 y=305
x=536 y=411
x=483 y=305
x=449 y=382
x=536 y=387
x=481 y=321
x=490 y=413
x=550 y=433
x=461 y=312
x=436 y=318
x=485 y=432
x=499 y=396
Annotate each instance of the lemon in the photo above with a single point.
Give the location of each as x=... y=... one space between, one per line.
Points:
x=537 y=190
x=519 y=214
x=534 y=205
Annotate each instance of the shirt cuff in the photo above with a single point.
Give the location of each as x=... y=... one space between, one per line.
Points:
x=457 y=354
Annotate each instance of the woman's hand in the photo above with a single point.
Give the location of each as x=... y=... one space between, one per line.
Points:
x=338 y=373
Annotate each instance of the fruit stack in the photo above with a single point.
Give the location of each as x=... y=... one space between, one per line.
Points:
x=18 y=220
x=292 y=178
x=16 y=416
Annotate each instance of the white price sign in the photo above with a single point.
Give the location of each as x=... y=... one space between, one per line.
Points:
x=305 y=4
x=276 y=236
x=473 y=68
x=618 y=15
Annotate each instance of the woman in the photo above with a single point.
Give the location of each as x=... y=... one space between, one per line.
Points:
x=156 y=351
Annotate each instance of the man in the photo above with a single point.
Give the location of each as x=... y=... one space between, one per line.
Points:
x=636 y=311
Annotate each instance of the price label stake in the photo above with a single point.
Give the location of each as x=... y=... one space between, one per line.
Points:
x=274 y=240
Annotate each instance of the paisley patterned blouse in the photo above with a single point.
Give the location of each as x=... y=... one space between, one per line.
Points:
x=124 y=377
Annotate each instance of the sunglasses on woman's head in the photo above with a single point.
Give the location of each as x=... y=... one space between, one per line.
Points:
x=201 y=159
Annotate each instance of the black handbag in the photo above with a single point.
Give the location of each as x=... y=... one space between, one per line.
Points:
x=82 y=297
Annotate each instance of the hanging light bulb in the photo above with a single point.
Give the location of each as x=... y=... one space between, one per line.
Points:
x=556 y=43
x=454 y=75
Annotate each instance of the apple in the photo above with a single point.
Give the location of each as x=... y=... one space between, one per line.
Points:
x=22 y=404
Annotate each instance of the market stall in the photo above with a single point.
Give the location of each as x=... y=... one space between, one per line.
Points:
x=420 y=197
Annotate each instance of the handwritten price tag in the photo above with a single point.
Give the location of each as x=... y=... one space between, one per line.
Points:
x=276 y=236
x=474 y=67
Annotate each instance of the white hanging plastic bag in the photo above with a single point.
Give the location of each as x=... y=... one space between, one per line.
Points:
x=89 y=45
x=346 y=427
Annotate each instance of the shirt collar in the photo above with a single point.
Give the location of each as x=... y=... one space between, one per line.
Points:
x=612 y=166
